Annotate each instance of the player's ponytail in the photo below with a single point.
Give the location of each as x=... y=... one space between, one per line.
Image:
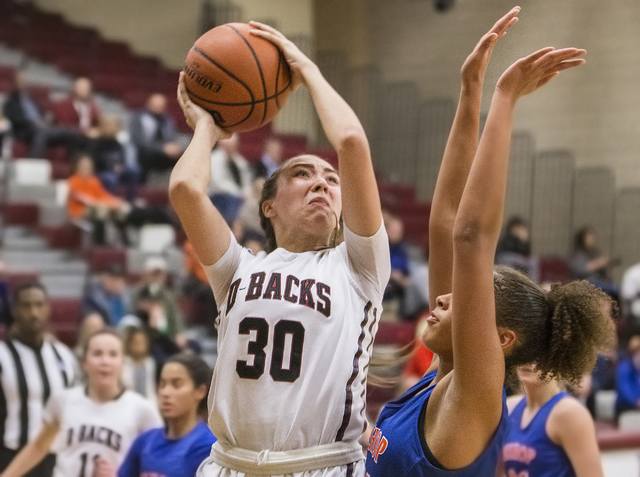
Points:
x=269 y=191
x=561 y=331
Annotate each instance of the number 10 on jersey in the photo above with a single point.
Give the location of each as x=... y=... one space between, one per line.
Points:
x=278 y=370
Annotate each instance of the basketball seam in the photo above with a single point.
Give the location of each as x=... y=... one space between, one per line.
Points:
x=277 y=78
x=210 y=111
x=219 y=103
x=252 y=103
x=255 y=57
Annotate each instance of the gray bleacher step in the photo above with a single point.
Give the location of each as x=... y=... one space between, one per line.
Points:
x=51 y=214
x=63 y=285
x=22 y=238
x=43 y=194
x=52 y=261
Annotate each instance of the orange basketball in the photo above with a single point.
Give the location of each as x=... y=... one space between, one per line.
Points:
x=241 y=79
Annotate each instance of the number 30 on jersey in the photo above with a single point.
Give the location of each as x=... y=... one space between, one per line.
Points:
x=288 y=338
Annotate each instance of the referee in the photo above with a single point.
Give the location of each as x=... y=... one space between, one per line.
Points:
x=33 y=366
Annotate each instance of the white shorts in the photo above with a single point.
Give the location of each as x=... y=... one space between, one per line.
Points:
x=338 y=459
x=211 y=469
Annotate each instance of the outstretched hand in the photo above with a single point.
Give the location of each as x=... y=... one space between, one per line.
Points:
x=295 y=58
x=534 y=71
x=194 y=114
x=475 y=65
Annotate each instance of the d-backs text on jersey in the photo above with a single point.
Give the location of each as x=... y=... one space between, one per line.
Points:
x=307 y=292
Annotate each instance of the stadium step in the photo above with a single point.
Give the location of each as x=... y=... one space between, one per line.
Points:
x=64 y=285
x=22 y=238
x=44 y=262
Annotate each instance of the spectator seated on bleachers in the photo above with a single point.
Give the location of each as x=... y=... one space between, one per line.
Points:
x=115 y=159
x=140 y=371
x=79 y=111
x=514 y=248
x=270 y=160
x=154 y=134
x=230 y=178
x=31 y=124
x=407 y=288
x=628 y=377
x=89 y=201
x=589 y=263
x=630 y=295
x=249 y=215
x=108 y=295
x=154 y=296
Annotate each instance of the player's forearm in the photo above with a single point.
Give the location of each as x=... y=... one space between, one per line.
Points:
x=340 y=123
x=458 y=156
x=192 y=171
x=27 y=459
x=482 y=204
x=360 y=199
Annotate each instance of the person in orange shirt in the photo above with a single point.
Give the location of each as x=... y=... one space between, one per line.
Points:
x=89 y=201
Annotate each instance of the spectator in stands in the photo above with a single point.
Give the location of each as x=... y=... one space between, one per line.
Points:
x=589 y=263
x=79 y=111
x=139 y=372
x=196 y=286
x=399 y=257
x=31 y=125
x=89 y=201
x=514 y=248
x=154 y=133
x=249 y=216
x=108 y=295
x=628 y=377
x=270 y=160
x=630 y=295
x=230 y=178
x=254 y=241
x=155 y=297
x=29 y=358
x=90 y=324
x=115 y=159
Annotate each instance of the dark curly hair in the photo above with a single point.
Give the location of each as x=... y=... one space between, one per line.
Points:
x=560 y=331
x=269 y=191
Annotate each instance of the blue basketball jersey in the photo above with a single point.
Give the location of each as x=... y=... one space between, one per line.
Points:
x=153 y=454
x=397 y=446
x=529 y=451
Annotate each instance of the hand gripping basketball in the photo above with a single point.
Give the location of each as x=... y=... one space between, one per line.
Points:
x=194 y=114
x=295 y=58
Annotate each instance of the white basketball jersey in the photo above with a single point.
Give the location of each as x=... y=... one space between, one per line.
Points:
x=89 y=430
x=294 y=342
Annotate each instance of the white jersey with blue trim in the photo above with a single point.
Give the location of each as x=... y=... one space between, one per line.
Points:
x=294 y=342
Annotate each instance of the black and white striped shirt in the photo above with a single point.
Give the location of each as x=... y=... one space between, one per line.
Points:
x=28 y=377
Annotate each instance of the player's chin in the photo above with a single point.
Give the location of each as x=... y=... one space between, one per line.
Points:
x=436 y=341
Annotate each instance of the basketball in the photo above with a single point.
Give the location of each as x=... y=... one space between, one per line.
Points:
x=240 y=79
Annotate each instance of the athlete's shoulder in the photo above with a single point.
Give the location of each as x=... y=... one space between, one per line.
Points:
x=568 y=418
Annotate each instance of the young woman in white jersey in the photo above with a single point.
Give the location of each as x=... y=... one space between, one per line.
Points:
x=483 y=322
x=296 y=324
x=95 y=423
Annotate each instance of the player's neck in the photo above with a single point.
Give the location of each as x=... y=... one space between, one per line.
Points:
x=181 y=426
x=445 y=366
x=539 y=393
x=298 y=244
x=104 y=393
